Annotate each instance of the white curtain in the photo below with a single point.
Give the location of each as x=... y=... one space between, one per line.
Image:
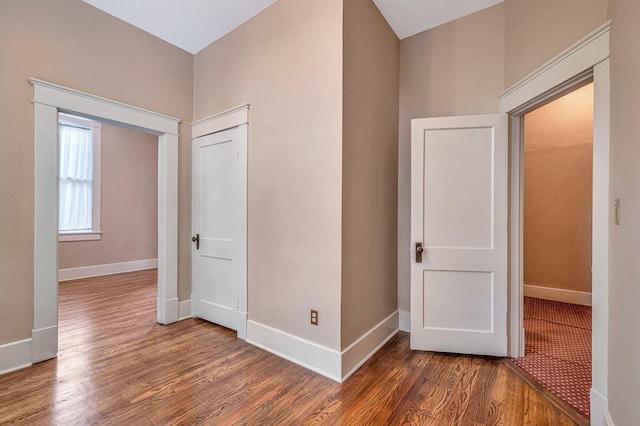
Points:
x=76 y=179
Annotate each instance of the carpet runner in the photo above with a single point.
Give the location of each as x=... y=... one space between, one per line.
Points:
x=558 y=349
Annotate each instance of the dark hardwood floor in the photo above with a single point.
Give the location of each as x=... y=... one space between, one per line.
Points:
x=117 y=366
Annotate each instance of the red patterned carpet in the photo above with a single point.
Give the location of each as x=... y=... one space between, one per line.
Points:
x=558 y=349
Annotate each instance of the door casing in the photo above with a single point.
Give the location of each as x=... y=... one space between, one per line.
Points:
x=49 y=99
x=589 y=58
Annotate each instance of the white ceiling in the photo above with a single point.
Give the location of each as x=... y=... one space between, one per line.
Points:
x=194 y=24
x=409 y=17
x=189 y=24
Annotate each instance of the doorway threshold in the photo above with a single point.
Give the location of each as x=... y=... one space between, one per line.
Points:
x=561 y=405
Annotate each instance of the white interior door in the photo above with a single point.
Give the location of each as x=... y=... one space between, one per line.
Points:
x=219 y=228
x=459 y=216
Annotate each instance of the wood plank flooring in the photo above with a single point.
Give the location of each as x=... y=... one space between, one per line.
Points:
x=117 y=366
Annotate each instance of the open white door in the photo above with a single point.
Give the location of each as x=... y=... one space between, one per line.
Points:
x=219 y=228
x=459 y=219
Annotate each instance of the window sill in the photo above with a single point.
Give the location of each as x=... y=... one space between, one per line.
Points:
x=80 y=236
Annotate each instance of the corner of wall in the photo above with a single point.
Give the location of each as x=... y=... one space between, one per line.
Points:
x=335 y=365
x=367 y=345
x=311 y=355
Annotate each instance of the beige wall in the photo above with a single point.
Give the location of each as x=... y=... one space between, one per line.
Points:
x=536 y=31
x=369 y=170
x=624 y=287
x=287 y=63
x=71 y=43
x=558 y=174
x=128 y=205
x=454 y=69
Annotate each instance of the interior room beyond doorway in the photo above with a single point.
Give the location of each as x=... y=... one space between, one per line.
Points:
x=557 y=243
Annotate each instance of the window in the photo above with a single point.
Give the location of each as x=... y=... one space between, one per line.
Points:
x=78 y=179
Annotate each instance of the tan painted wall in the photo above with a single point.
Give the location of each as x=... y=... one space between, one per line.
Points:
x=128 y=205
x=71 y=43
x=624 y=286
x=558 y=174
x=370 y=170
x=536 y=31
x=287 y=63
x=454 y=69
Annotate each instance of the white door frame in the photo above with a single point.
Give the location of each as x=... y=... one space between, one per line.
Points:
x=234 y=117
x=587 y=58
x=49 y=99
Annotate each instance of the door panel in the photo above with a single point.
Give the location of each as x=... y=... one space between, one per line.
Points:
x=219 y=221
x=459 y=214
x=456 y=300
x=462 y=159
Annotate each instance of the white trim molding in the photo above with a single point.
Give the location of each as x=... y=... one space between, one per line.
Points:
x=49 y=99
x=44 y=343
x=580 y=61
x=558 y=294
x=242 y=319
x=300 y=351
x=107 y=269
x=184 y=310
x=15 y=355
x=330 y=363
x=599 y=408
x=80 y=103
x=79 y=236
x=566 y=66
x=405 y=320
x=589 y=58
x=359 y=352
x=221 y=121
x=606 y=419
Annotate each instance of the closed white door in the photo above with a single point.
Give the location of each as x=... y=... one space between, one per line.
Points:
x=459 y=222
x=219 y=228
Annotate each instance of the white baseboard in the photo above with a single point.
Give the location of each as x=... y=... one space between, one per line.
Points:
x=171 y=311
x=328 y=362
x=368 y=344
x=405 y=321
x=15 y=355
x=184 y=310
x=241 y=327
x=44 y=343
x=557 y=294
x=599 y=408
x=108 y=269
x=303 y=352
x=607 y=420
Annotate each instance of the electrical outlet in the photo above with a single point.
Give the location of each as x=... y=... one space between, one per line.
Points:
x=314 y=317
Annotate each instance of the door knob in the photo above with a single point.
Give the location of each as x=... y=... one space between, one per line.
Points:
x=196 y=240
x=419 y=251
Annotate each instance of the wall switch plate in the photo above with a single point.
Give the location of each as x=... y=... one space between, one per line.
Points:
x=314 y=317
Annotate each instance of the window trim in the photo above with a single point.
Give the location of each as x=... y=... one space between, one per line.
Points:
x=96 y=233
